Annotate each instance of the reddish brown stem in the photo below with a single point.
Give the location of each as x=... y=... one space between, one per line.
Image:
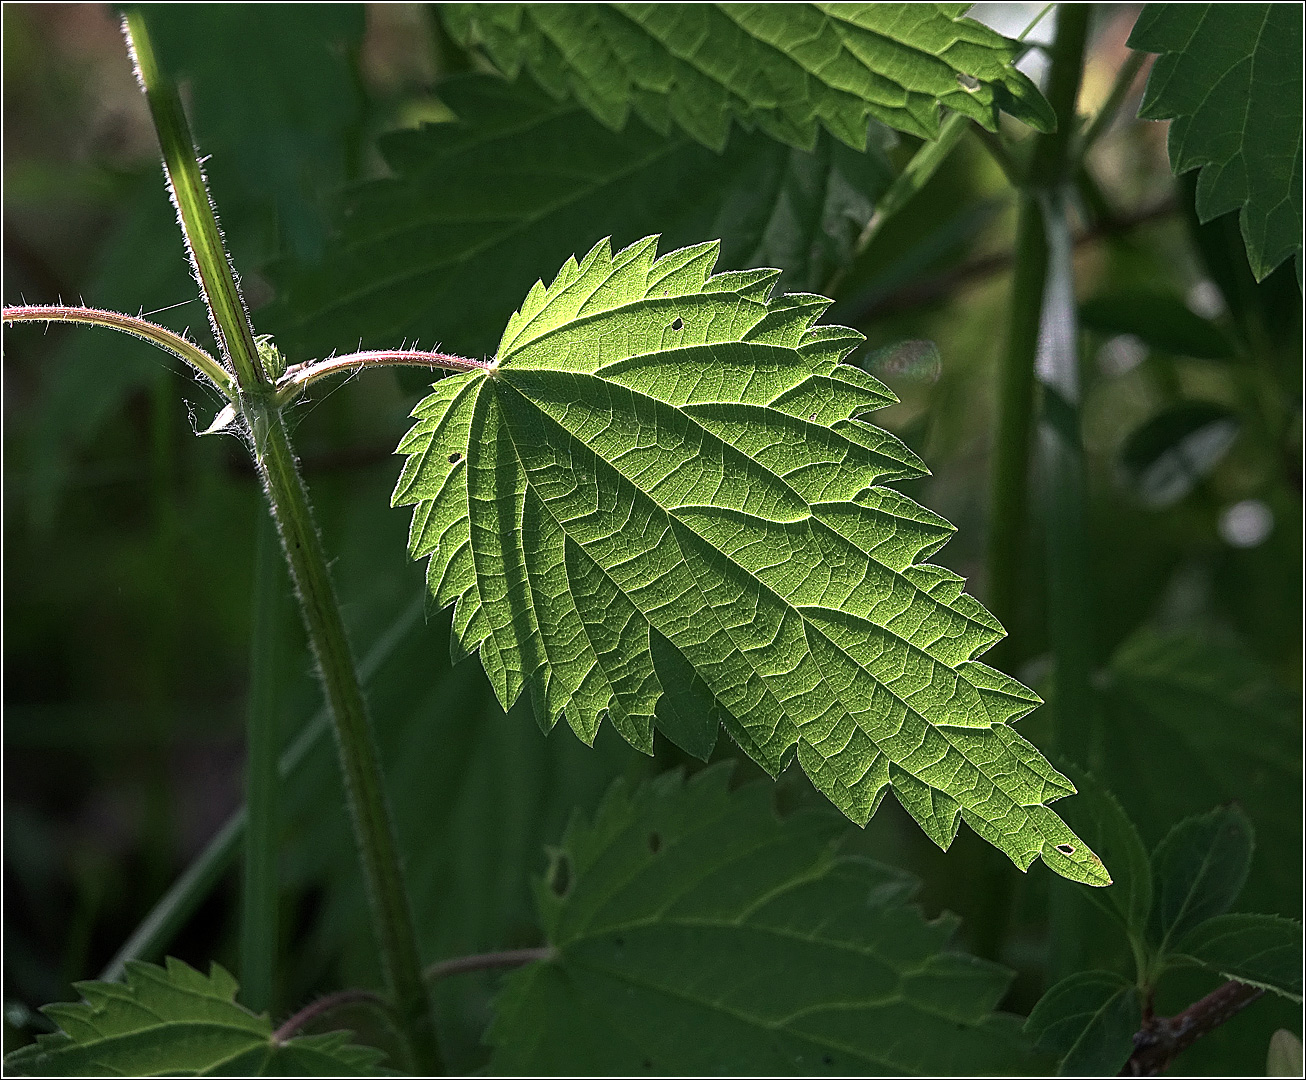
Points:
x=321 y=1007
x=298 y=376
x=1163 y=1038
x=484 y=961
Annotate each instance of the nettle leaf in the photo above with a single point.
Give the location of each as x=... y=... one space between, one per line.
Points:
x=485 y=205
x=175 y=1021
x=1199 y=870
x=787 y=69
x=1097 y=815
x=1227 y=731
x=661 y=477
x=1088 y=1021
x=1229 y=78
x=1264 y=950
x=698 y=934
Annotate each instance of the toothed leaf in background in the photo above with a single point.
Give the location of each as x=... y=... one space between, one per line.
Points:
x=1263 y=950
x=174 y=1021
x=786 y=69
x=484 y=206
x=699 y=934
x=1088 y=1021
x=1229 y=80
x=660 y=451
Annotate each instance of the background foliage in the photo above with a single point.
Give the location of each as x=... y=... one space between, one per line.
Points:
x=129 y=544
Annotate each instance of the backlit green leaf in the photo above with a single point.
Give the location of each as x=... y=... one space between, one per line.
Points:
x=785 y=68
x=665 y=471
x=1229 y=79
x=698 y=934
x=175 y=1021
x=1263 y=950
x=1088 y=1021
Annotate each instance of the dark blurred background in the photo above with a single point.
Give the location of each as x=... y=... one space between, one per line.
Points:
x=129 y=542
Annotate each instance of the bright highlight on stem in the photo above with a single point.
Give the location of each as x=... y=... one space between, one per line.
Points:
x=142 y=328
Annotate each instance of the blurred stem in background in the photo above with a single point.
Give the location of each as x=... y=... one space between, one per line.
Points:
x=1042 y=343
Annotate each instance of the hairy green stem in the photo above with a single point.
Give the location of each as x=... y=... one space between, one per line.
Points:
x=142 y=328
x=258 y=920
x=364 y=783
x=199 y=223
x=171 y=911
x=288 y=499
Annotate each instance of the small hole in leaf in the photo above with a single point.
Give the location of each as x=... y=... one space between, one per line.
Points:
x=812 y=417
x=967 y=82
x=654 y=843
x=455 y=458
x=1066 y=849
x=678 y=323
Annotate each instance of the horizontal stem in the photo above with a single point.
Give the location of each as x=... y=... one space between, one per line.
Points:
x=509 y=958
x=322 y=1006
x=297 y=378
x=142 y=328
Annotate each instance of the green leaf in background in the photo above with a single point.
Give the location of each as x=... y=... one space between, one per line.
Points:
x=1199 y=870
x=1097 y=816
x=1285 y=1054
x=482 y=207
x=175 y=1021
x=698 y=934
x=1263 y=950
x=1160 y=320
x=1166 y=457
x=1229 y=78
x=1088 y=1021
x=785 y=68
x=1192 y=720
x=663 y=462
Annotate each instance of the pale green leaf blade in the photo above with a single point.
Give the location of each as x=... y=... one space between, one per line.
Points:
x=175 y=1021
x=660 y=451
x=559 y=180
x=1229 y=79
x=1088 y=1021
x=787 y=69
x=1264 y=950
x=698 y=934
x=1199 y=870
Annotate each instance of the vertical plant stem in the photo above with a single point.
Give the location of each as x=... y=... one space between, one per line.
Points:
x=1009 y=480
x=288 y=499
x=364 y=785
x=258 y=920
x=1041 y=338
